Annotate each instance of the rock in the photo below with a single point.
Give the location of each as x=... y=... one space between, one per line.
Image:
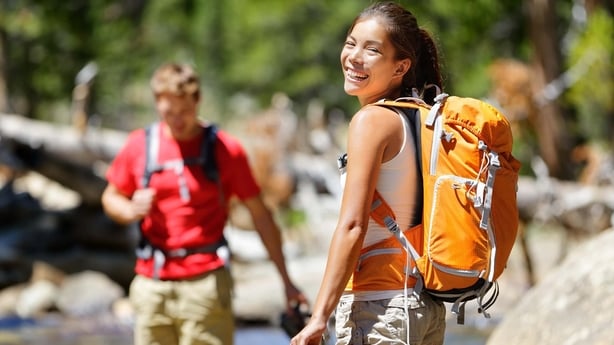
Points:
x=258 y=291
x=42 y=271
x=36 y=299
x=122 y=310
x=245 y=245
x=88 y=293
x=39 y=296
x=571 y=305
x=8 y=299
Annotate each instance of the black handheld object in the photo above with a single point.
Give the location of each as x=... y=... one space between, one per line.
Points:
x=292 y=323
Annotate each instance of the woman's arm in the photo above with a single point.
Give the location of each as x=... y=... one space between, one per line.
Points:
x=375 y=136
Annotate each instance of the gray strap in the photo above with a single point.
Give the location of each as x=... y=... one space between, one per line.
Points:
x=458 y=307
x=396 y=231
x=152 y=145
x=393 y=227
x=158 y=262
x=437 y=134
x=433 y=114
x=460 y=314
x=481 y=304
x=435 y=120
x=436 y=109
x=490 y=184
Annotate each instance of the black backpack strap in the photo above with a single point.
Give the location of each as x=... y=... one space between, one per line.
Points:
x=207 y=152
x=209 y=162
x=412 y=114
x=152 y=145
x=207 y=157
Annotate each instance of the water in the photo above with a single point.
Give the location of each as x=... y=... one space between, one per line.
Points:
x=58 y=331
x=272 y=336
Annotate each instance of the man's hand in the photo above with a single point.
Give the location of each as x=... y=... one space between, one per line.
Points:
x=141 y=202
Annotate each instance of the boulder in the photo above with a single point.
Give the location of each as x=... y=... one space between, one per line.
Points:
x=571 y=305
x=36 y=299
x=88 y=293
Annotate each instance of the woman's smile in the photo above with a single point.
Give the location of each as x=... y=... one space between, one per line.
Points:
x=353 y=75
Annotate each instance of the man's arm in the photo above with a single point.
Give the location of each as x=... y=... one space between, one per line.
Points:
x=271 y=237
x=124 y=209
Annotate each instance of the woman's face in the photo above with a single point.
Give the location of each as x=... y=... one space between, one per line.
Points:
x=179 y=113
x=369 y=65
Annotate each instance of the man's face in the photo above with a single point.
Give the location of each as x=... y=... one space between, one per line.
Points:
x=179 y=113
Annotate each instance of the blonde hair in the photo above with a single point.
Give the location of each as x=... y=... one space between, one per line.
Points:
x=176 y=79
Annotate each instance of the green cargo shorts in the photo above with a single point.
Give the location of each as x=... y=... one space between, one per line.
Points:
x=192 y=311
x=387 y=322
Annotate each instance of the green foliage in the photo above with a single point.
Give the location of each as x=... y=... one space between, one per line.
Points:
x=591 y=95
x=293 y=218
x=471 y=36
x=258 y=48
x=275 y=46
x=239 y=46
x=43 y=41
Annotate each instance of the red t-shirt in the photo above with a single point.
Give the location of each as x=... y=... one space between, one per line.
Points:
x=175 y=223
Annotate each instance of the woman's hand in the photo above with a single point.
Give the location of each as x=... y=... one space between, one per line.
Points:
x=312 y=334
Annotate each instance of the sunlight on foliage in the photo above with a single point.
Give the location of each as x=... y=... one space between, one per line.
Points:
x=592 y=94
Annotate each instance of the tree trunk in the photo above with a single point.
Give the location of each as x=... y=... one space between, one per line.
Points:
x=554 y=144
x=64 y=154
x=4 y=99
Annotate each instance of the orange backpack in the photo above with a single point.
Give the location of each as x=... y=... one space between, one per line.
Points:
x=469 y=211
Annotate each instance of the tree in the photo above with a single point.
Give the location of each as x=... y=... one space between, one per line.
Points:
x=259 y=48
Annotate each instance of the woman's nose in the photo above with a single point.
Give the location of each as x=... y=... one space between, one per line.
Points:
x=354 y=55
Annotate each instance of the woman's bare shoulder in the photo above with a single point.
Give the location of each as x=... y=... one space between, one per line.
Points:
x=374 y=116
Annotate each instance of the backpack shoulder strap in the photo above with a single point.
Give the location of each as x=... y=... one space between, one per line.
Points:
x=411 y=109
x=207 y=152
x=209 y=160
x=152 y=145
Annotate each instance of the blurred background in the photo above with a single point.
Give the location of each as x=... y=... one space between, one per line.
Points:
x=530 y=56
x=74 y=79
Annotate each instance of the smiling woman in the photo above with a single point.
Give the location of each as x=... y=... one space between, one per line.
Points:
x=370 y=64
x=386 y=55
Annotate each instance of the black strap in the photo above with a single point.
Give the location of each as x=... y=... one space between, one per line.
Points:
x=413 y=116
x=149 y=249
x=208 y=153
x=159 y=256
x=206 y=158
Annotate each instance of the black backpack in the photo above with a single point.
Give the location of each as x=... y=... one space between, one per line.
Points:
x=206 y=159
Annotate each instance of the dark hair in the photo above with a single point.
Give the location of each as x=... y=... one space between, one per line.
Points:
x=410 y=41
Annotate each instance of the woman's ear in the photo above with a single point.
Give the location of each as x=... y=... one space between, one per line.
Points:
x=402 y=67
